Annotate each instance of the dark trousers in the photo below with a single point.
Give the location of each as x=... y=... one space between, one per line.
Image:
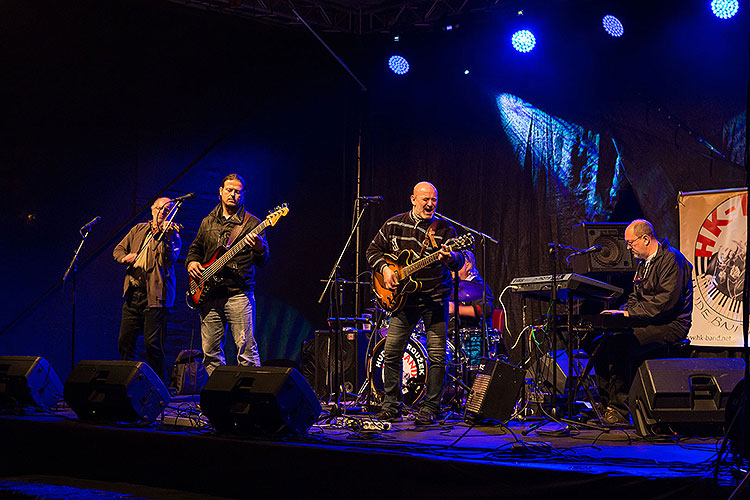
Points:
x=616 y=359
x=138 y=318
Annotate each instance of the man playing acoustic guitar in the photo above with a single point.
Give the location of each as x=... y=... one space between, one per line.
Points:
x=426 y=297
x=231 y=300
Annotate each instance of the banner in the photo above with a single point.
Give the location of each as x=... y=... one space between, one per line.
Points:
x=713 y=235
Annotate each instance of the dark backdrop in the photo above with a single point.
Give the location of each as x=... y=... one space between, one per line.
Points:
x=108 y=104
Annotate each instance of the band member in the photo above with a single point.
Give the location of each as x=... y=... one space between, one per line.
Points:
x=232 y=301
x=662 y=300
x=149 y=288
x=420 y=231
x=474 y=305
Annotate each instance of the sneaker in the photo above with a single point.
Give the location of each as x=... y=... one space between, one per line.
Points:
x=615 y=418
x=425 y=417
x=388 y=415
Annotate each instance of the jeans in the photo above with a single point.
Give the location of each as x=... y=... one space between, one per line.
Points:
x=435 y=317
x=238 y=313
x=138 y=318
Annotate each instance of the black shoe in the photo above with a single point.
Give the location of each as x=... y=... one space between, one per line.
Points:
x=615 y=418
x=425 y=417
x=388 y=415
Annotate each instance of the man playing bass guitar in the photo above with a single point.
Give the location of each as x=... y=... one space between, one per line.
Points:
x=422 y=233
x=232 y=300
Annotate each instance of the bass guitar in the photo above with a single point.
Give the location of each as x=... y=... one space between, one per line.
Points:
x=198 y=289
x=404 y=265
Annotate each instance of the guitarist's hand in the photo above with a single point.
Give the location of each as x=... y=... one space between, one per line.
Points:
x=255 y=243
x=390 y=279
x=129 y=258
x=195 y=270
x=446 y=255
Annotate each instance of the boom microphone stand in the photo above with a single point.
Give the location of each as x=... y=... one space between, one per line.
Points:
x=338 y=330
x=72 y=268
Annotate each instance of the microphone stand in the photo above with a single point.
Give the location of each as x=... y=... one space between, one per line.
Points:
x=338 y=331
x=484 y=238
x=72 y=268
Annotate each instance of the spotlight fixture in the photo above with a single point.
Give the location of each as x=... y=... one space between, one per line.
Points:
x=724 y=9
x=523 y=41
x=398 y=64
x=612 y=26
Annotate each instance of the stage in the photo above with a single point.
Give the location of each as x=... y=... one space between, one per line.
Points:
x=51 y=454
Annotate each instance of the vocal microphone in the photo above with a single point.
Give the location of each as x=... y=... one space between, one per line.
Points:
x=93 y=221
x=592 y=249
x=371 y=199
x=188 y=196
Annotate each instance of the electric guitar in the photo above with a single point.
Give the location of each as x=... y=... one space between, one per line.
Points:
x=404 y=265
x=198 y=290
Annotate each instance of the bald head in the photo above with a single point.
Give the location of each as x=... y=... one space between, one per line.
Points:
x=424 y=200
x=160 y=209
x=641 y=238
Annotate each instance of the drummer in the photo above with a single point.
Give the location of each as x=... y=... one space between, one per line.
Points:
x=470 y=297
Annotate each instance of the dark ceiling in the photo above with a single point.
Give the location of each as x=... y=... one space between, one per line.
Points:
x=356 y=16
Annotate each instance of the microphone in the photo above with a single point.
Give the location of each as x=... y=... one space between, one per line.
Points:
x=371 y=199
x=87 y=226
x=591 y=249
x=188 y=196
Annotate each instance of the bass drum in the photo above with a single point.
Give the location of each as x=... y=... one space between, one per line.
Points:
x=414 y=374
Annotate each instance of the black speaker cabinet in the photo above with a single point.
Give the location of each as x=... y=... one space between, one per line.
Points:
x=28 y=381
x=268 y=401
x=495 y=391
x=614 y=255
x=687 y=396
x=351 y=362
x=115 y=391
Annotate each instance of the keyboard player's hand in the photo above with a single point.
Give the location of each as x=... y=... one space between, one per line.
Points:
x=614 y=311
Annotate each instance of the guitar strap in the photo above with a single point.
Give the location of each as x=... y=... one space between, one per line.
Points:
x=429 y=237
x=237 y=230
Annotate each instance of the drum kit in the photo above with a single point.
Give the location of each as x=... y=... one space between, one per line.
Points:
x=415 y=361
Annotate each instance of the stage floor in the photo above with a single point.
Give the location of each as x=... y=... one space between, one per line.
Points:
x=54 y=455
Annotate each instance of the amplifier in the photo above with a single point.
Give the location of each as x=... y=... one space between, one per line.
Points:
x=495 y=391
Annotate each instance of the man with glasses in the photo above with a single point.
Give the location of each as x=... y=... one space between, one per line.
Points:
x=149 y=287
x=661 y=301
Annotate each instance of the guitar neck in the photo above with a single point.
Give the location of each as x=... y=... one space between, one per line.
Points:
x=236 y=248
x=420 y=264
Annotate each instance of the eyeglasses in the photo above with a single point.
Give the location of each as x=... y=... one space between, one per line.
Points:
x=629 y=243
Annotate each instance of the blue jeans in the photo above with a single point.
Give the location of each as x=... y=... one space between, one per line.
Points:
x=238 y=313
x=435 y=317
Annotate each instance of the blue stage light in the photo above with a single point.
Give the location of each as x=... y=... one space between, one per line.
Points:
x=523 y=40
x=724 y=9
x=398 y=65
x=613 y=26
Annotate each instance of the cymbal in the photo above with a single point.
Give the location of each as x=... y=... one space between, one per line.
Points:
x=469 y=291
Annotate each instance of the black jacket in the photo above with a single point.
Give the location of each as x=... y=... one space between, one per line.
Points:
x=238 y=275
x=663 y=297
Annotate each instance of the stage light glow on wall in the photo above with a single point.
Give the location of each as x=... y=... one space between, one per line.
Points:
x=560 y=153
x=724 y=9
x=613 y=26
x=523 y=41
x=398 y=65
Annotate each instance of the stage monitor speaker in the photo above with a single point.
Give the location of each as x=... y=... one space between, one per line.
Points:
x=614 y=255
x=28 y=381
x=352 y=366
x=115 y=391
x=687 y=396
x=541 y=372
x=263 y=401
x=737 y=422
x=495 y=391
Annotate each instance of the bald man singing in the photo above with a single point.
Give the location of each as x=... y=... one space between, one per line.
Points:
x=149 y=287
x=420 y=231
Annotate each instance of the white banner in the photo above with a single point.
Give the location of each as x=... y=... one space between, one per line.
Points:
x=713 y=227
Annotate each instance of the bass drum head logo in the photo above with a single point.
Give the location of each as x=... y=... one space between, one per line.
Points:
x=414 y=376
x=719 y=259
